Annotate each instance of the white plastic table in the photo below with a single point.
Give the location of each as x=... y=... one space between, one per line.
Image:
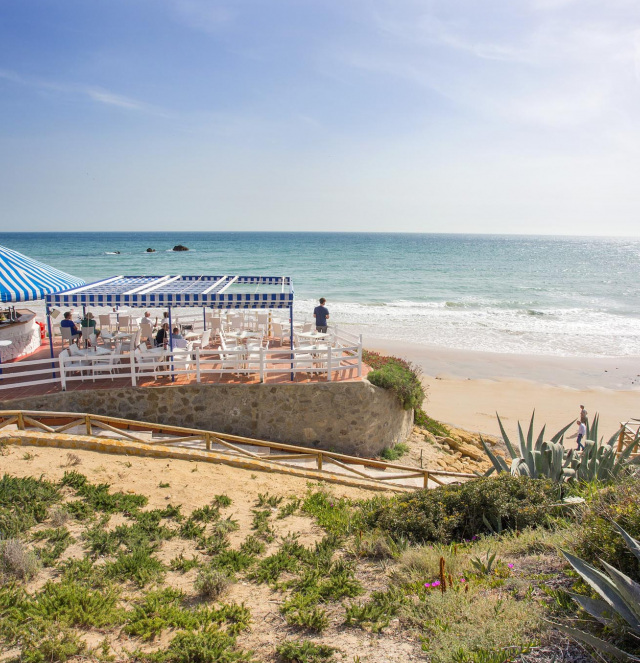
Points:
x=313 y=336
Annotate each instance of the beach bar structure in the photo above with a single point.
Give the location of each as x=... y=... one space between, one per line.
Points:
x=23 y=279
x=169 y=292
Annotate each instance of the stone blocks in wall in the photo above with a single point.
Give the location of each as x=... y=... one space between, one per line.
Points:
x=354 y=418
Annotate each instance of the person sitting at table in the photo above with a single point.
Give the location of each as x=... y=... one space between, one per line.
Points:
x=162 y=337
x=68 y=322
x=146 y=319
x=88 y=321
x=177 y=336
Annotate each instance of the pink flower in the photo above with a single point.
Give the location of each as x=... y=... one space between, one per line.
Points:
x=427 y=584
x=436 y=583
x=462 y=580
x=510 y=566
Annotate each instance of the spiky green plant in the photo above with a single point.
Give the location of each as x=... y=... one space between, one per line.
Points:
x=620 y=602
x=550 y=459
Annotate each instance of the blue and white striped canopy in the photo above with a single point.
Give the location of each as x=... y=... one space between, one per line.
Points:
x=23 y=279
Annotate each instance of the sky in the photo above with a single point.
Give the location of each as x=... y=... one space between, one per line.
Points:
x=500 y=116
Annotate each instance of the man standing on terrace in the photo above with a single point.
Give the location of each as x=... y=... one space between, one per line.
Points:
x=321 y=314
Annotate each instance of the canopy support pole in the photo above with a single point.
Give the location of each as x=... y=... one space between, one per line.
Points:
x=50 y=339
x=291 y=336
x=173 y=377
x=204 y=318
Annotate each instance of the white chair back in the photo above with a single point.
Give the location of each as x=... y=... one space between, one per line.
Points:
x=180 y=343
x=105 y=321
x=66 y=334
x=236 y=322
x=87 y=333
x=307 y=327
x=124 y=323
x=206 y=338
x=146 y=331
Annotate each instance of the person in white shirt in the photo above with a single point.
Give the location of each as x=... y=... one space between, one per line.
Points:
x=582 y=431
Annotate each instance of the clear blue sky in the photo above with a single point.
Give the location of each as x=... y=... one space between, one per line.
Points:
x=519 y=116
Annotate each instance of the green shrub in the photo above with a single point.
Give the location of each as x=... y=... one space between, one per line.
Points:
x=98 y=497
x=73 y=604
x=208 y=646
x=55 y=645
x=398 y=375
x=137 y=566
x=395 y=452
x=304 y=651
x=457 y=512
x=597 y=537
x=422 y=419
x=24 y=502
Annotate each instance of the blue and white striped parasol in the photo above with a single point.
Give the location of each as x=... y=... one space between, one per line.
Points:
x=23 y=279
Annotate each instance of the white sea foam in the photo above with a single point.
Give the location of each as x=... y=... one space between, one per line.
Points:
x=559 y=332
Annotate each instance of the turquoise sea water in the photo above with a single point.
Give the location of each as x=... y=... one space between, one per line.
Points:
x=535 y=295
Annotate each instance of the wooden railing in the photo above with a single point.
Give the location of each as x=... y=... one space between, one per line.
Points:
x=233 y=445
x=628 y=433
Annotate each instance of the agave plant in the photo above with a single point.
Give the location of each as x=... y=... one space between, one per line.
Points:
x=620 y=600
x=550 y=459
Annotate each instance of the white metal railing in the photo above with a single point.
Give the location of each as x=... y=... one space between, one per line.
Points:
x=194 y=364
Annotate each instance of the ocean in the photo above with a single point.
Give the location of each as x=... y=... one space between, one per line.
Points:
x=563 y=296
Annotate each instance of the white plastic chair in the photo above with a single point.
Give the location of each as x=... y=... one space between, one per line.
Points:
x=279 y=332
x=236 y=323
x=105 y=322
x=204 y=340
x=66 y=335
x=104 y=364
x=132 y=343
x=146 y=332
x=145 y=363
x=87 y=333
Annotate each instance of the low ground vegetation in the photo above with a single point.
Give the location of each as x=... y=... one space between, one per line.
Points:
x=469 y=573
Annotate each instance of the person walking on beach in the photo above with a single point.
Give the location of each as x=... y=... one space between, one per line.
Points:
x=583 y=415
x=321 y=314
x=582 y=431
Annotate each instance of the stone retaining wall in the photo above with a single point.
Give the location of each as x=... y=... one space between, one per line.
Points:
x=354 y=418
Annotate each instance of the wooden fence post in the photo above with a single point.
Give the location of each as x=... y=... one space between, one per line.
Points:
x=319 y=461
x=87 y=422
x=425 y=483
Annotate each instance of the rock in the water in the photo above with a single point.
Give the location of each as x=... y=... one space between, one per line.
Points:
x=152 y=250
x=180 y=247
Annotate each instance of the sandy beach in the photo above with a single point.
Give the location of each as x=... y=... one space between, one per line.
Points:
x=467 y=388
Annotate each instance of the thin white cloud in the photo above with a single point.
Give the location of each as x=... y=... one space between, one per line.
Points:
x=98 y=95
x=548 y=65
x=203 y=15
